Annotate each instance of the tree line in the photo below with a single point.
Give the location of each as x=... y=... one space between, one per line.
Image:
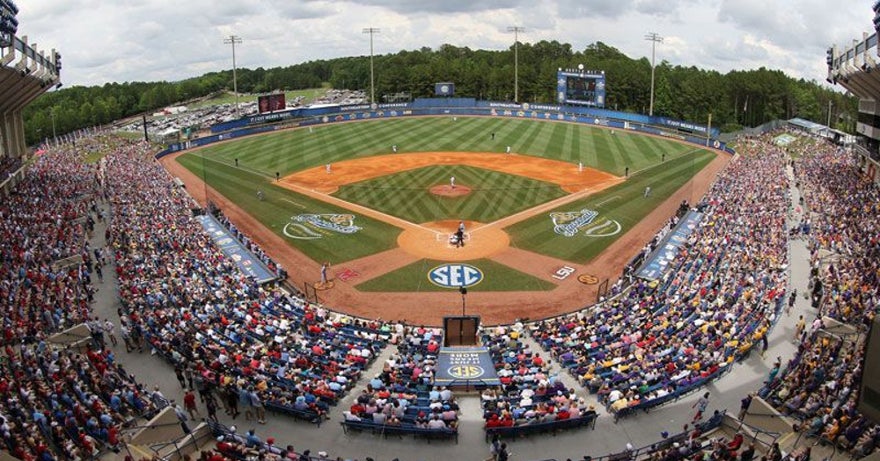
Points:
x=736 y=99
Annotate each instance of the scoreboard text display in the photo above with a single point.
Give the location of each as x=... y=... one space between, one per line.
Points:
x=581 y=87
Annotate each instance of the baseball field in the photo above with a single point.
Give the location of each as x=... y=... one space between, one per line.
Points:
x=381 y=200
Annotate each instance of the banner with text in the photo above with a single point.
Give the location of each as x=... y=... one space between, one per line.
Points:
x=233 y=249
x=465 y=365
x=658 y=263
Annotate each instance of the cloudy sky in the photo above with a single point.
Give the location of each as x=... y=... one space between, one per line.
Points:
x=144 y=40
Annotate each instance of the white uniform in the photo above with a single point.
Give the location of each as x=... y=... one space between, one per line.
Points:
x=452 y=182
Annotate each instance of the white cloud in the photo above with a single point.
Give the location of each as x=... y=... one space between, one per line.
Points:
x=126 y=40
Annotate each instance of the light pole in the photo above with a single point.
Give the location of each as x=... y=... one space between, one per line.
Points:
x=232 y=40
x=516 y=30
x=54 y=137
x=654 y=38
x=829 y=115
x=371 y=31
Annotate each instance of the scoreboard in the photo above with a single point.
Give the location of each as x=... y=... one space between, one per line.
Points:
x=581 y=87
x=271 y=103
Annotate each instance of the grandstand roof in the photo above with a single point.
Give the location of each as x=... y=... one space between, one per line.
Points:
x=807 y=125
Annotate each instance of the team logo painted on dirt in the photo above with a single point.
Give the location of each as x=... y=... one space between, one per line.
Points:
x=586 y=222
x=588 y=279
x=310 y=226
x=455 y=275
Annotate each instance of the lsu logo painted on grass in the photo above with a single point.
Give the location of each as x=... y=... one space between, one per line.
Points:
x=455 y=275
x=310 y=226
x=571 y=223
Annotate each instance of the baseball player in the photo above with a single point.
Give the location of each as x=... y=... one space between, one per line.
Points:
x=452 y=182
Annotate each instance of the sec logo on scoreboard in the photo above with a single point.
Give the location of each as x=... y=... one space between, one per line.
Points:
x=455 y=275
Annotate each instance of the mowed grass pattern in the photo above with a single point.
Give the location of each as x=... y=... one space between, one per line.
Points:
x=625 y=203
x=293 y=150
x=279 y=205
x=493 y=195
x=260 y=157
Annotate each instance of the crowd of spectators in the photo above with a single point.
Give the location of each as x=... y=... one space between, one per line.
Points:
x=403 y=394
x=246 y=347
x=666 y=337
x=529 y=393
x=819 y=386
x=59 y=398
x=8 y=166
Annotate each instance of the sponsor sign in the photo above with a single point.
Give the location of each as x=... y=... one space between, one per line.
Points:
x=234 y=250
x=463 y=364
x=309 y=226
x=455 y=275
x=586 y=222
x=659 y=261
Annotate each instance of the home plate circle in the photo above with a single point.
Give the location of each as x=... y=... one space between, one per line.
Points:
x=432 y=240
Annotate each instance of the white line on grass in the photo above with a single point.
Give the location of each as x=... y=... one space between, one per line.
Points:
x=609 y=199
x=295 y=203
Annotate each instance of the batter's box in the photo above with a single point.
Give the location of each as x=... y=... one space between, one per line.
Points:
x=347 y=274
x=452 y=239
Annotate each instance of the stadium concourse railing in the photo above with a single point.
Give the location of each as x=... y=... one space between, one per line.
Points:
x=692 y=133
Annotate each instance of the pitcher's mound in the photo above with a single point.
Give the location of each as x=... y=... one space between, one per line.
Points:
x=445 y=190
x=431 y=240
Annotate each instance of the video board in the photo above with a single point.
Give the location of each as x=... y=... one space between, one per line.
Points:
x=580 y=87
x=271 y=103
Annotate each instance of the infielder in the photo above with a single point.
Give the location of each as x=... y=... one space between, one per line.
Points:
x=452 y=182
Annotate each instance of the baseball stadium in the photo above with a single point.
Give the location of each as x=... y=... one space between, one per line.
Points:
x=445 y=277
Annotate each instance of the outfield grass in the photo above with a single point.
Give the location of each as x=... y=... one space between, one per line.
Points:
x=414 y=277
x=624 y=203
x=493 y=195
x=279 y=205
x=293 y=150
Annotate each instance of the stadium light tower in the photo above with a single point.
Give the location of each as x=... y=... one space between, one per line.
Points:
x=371 y=31
x=54 y=136
x=232 y=40
x=654 y=38
x=516 y=30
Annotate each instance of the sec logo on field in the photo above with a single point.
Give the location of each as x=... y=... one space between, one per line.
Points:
x=455 y=275
x=588 y=279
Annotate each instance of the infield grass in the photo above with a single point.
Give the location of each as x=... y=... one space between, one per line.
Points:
x=493 y=195
x=279 y=205
x=624 y=203
x=414 y=277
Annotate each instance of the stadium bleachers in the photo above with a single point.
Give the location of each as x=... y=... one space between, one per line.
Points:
x=650 y=344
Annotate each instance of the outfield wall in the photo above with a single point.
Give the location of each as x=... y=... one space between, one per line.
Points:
x=659 y=126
